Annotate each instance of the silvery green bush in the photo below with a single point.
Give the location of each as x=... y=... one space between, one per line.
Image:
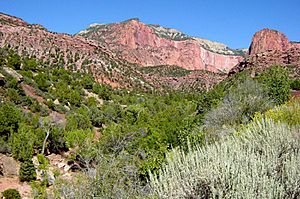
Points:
x=262 y=162
x=237 y=107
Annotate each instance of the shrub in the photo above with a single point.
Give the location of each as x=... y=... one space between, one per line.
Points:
x=277 y=83
x=96 y=116
x=103 y=91
x=56 y=140
x=261 y=163
x=13 y=96
x=35 y=107
x=91 y=102
x=39 y=189
x=238 y=106
x=295 y=84
x=288 y=113
x=77 y=138
x=43 y=162
x=10 y=117
x=114 y=177
x=13 y=83
x=4 y=146
x=87 y=81
x=74 y=97
x=14 y=61
x=42 y=81
x=22 y=142
x=11 y=194
x=29 y=64
x=27 y=171
x=78 y=120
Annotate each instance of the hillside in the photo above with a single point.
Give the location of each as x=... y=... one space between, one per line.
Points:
x=70 y=52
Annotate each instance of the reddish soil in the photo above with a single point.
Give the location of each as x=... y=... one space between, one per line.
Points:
x=30 y=91
x=14 y=183
x=295 y=93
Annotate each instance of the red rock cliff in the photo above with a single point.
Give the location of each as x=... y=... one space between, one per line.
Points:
x=267 y=39
x=140 y=43
x=270 y=47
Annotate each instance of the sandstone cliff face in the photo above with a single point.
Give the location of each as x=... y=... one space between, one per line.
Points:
x=267 y=39
x=151 y=45
x=270 y=47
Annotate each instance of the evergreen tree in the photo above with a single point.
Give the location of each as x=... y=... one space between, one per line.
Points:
x=27 y=171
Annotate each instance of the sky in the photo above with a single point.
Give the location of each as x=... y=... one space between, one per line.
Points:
x=231 y=22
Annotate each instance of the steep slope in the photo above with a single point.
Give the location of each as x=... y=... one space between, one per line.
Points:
x=270 y=47
x=71 y=52
x=152 y=45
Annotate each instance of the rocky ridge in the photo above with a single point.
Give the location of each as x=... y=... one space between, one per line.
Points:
x=153 y=45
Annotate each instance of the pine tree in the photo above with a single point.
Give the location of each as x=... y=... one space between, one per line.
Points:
x=27 y=171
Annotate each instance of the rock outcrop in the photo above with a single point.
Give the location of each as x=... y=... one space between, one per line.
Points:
x=267 y=39
x=270 y=47
x=8 y=166
x=152 y=45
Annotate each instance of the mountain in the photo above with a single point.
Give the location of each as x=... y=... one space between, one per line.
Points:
x=70 y=52
x=270 y=47
x=152 y=45
x=135 y=55
x=85 y=55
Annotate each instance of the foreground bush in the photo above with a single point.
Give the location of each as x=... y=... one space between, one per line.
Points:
x=238 y=106
x=113 y=177
x=288 y=113
x=11 y=194
x=261 y=163
x=277 y=82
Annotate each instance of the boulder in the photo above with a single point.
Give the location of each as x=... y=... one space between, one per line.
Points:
x=8 y=166
x=2 y=80
x=13 y=73
x=56 y=102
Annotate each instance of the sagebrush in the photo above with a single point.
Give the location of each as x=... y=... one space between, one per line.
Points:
x=260 y=163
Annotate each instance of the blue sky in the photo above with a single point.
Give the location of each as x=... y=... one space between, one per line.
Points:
x=231 y=22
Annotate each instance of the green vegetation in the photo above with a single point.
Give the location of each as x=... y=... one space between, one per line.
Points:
x=168 y=71
x=27 y=171
x=276 y=80
x=295 y=84
x=260 y=163
x=11 y=194
x=118 y=137
x=237 y=107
